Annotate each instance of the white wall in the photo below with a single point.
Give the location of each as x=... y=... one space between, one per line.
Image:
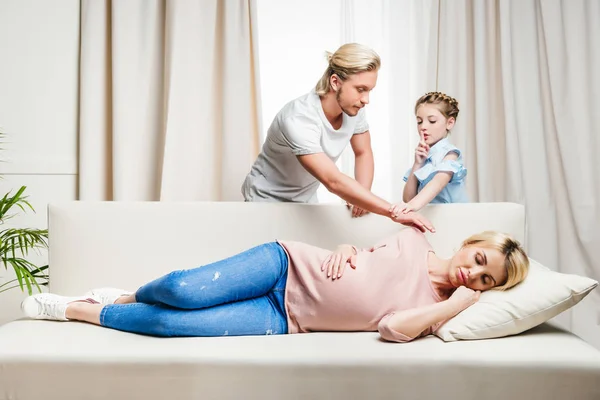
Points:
x=39 y=56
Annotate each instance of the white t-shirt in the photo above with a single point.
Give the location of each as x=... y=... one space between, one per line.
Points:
x=299 y=128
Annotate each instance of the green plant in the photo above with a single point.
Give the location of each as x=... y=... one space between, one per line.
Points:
x=16 y=243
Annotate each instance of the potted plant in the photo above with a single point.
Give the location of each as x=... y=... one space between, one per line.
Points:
x=17 y=243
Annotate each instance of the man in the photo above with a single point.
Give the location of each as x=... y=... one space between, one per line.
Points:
x=310 y=133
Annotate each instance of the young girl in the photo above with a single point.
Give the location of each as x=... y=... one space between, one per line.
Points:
x=438 y=174
x=399 y=287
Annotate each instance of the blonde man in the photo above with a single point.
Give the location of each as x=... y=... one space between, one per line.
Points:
x=310 y=133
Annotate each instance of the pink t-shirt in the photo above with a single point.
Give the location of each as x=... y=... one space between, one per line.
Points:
x=389 y=277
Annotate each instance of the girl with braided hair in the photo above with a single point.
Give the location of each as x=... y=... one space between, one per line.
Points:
x=438 y=174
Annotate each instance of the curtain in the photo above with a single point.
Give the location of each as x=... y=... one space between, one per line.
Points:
x=168 y=99
x=524 y=75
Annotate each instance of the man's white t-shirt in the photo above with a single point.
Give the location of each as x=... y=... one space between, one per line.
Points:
x=299 y=128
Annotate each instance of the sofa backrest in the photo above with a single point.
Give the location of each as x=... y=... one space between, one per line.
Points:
x=125 y=244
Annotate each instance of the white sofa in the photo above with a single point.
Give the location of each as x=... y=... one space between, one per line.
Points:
x=124 y=244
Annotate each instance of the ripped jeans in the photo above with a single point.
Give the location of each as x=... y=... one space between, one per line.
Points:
x=240 y=295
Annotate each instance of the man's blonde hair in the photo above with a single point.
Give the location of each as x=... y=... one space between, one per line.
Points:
x=349 y=59
x=516 y=261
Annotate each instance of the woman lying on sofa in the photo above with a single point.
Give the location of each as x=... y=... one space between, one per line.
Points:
x=399 y=287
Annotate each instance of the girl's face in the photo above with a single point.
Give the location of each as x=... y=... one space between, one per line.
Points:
x=431 y=124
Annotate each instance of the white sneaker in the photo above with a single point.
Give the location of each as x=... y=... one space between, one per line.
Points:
x=48 y=306
x=107 y=295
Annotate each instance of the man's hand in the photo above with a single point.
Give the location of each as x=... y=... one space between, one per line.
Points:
x=356 y=211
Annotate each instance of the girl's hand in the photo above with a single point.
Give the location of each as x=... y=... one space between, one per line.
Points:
x=397 y=209
x=409 y=208
x=335 y=263
x=463 y=297
x=413 y=219
x=421 y=152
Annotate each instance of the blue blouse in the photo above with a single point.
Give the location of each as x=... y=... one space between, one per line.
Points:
x=455 y=191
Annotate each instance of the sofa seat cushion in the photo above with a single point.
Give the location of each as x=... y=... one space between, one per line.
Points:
x=68 y=360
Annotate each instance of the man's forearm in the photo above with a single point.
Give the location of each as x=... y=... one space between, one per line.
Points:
x=356 y=194
x=364 y=169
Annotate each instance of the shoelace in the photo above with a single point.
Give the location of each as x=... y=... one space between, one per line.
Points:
x=49 y=307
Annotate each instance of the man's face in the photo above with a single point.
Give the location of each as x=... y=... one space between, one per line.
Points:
x=353 y=93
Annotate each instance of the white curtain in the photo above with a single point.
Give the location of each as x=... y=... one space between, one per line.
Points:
x=168 y=99
x=526 y=76
x=405 y=36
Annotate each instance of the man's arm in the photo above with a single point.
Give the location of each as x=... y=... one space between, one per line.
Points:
x=364 y=164
x=322 y=168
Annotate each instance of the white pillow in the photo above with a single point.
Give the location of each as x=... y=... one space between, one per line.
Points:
x=542 y=295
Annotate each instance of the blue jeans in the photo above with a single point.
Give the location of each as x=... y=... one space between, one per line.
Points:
x=240 y=295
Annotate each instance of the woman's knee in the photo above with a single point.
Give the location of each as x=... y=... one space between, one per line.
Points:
x=173 y=285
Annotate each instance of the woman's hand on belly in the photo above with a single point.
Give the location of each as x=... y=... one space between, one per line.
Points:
x=336 y=262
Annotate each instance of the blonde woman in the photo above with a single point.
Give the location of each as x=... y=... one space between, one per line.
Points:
x=399 y=287
x=309 y=133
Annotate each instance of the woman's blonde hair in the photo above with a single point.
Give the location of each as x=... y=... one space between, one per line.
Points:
x=516 y=261
x=446 y=105
x=349 y=59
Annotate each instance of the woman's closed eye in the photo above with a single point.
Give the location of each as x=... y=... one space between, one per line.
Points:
x=485 y=279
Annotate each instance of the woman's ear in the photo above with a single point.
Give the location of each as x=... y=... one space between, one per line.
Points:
x=450 y=123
